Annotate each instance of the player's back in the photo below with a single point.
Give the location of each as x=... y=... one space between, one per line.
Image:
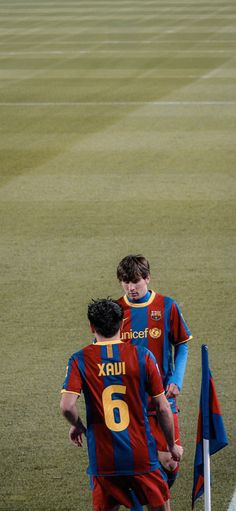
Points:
x=115 y=379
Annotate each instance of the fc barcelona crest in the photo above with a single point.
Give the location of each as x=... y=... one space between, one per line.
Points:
x=156 y=315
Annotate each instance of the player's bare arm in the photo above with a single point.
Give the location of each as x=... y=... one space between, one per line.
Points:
x=70 y=412
x=165 y=419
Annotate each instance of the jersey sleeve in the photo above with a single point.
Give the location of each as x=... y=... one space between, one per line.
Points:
x=180 y=357
x=154 y=381
x=179 y=331
x=73 y=380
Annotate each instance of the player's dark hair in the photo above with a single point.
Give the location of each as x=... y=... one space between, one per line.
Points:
x=132 y=268
x=105 y=315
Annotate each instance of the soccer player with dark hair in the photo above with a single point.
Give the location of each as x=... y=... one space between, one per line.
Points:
x=115 y=378
x=155 y=321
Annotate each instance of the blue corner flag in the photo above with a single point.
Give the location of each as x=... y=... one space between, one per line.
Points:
x=211 y=434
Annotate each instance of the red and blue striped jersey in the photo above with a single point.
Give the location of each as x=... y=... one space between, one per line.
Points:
x=115 y=379
x=156 y=324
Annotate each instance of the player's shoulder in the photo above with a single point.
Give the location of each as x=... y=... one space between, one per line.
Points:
x=169 y=300
x=162 y=300
x=75 y=356
x=80 y=353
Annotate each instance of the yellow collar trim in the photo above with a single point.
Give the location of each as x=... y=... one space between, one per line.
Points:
x=105 y=343
x=143 y=304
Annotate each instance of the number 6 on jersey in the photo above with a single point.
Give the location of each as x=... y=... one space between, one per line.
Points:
x=111 y=405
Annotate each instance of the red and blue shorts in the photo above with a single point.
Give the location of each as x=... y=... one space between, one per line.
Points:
x=150 y=488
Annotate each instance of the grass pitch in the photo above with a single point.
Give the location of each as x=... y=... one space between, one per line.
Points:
x=117 y=136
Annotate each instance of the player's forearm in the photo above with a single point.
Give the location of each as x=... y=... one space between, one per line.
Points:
x=165 y=418
x=69 y=410
x=71 y=416
x=74 y=419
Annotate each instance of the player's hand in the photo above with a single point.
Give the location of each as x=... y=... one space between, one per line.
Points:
x=177 y=452
x=172 y=390
x=75 y=434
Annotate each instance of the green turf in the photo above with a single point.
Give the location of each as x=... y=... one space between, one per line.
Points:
x=117 y=135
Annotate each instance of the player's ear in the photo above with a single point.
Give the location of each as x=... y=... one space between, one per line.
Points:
x=148 y=278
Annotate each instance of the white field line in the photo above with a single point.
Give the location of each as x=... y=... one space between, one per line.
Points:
x=127 y=103
x=116 y=103
x=232 y=506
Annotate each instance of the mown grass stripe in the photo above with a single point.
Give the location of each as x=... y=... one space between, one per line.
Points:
x=119 y=103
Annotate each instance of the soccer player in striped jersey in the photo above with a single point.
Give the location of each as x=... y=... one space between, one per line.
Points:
x=154 y=321
x=115 y=379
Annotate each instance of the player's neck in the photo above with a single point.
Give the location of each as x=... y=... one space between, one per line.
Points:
x=100 y=338
x=143 y=299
